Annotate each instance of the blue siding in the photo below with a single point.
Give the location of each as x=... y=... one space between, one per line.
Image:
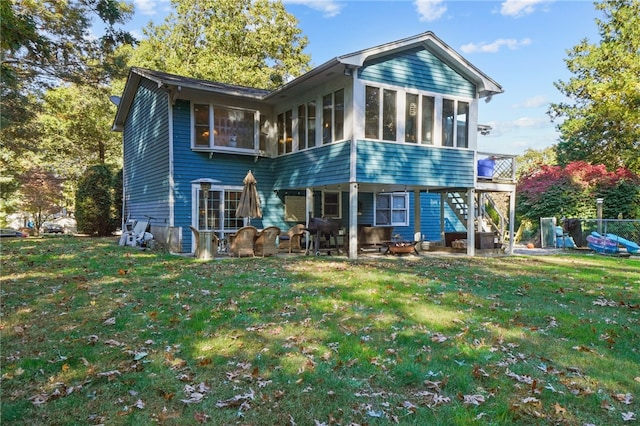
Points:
x=229 y=169
x=419 y=69
x=325 y=165
x=429 y=216
x=393 y=163
x=146 y=155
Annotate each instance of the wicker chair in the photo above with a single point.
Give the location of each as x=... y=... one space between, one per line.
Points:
x=265 y=244
x=241 y=242
x=213 y=249
x=292 y=237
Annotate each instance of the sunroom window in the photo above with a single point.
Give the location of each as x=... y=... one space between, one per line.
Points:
x=285 y=132
x=375 y=107
x=333 y=117
x=215 y=126
x=392 y=209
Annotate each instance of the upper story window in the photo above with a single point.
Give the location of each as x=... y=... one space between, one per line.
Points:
x=215 y=126
x=285 y=132
x=375 y=107
x=384 y=118
x=333 y=117
x=455 y=123
x=307 y=125
x=392 y=209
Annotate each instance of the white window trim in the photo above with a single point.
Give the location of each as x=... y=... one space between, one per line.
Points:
x=212 y=147
x=339 y=194
x=195 y=197
x=391 y=195
x=401 y=94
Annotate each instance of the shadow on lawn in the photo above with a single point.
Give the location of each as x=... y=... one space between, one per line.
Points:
x=366 y=326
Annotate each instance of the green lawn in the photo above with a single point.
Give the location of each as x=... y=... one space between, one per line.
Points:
x=94 y=333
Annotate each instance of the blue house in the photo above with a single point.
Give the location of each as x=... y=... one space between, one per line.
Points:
x=381 y=138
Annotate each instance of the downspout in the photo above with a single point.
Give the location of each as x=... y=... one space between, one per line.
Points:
x=171 y=171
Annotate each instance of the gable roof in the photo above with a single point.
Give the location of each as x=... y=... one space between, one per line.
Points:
x=486 y=86
x=174 y=83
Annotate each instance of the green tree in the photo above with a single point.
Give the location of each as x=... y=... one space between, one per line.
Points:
x=533 y=159
x=94 y=200
x=76 y=122
x=254 y=43
x=602 y=125
x=45 y=44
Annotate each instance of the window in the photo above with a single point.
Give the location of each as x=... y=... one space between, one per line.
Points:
x=411 y=119
x=264 y=133
x=462 y=125
x=447 y=122
x=231 y=201
x=221 y=208
x=331 y=205
x=428 y=107
x=333 y=117
x=338 y=115
x=202 y=129
x=311 y=124
x=327 y=118
x=389 y=113
x=302 y=127
x=392 y=209
x=372 y=114
x=285 y=132
x=223 y=127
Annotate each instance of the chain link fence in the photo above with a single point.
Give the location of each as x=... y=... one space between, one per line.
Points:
x=580 y=228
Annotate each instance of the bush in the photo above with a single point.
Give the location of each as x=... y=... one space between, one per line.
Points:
x=571 y=192
x=94 y=202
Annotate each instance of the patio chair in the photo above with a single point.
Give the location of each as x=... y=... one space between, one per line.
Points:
x=241 y=242
x=292 y=238
x=265 y=244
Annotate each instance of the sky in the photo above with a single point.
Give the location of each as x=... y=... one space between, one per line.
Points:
x=520 y=44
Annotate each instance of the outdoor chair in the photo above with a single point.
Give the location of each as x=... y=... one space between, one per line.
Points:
x=292 y=238
x=241 y=242
x=199 y=253
x=265 y=244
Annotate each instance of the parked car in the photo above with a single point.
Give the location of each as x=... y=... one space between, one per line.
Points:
x=52 y=228
x=12 y=233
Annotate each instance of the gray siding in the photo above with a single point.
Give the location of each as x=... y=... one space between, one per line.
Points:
x=146 y=155
x=393 y=163
x=419 y=69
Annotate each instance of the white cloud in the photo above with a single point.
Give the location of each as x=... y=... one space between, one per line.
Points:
x=430 y=10
x=146 y=7
x=510 y=43
x=520 y=7
x=329 y=8
x=533 y=102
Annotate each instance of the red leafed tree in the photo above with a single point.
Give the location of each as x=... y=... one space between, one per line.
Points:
x=41 y=194
x=554 y=191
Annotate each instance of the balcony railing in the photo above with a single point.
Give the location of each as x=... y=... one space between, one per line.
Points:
x=496 y=167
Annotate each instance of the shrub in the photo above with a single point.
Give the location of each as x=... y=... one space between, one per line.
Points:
x=94 y=202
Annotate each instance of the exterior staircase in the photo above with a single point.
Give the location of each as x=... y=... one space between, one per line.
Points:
x=484 y=222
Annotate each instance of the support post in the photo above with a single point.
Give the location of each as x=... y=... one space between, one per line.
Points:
x=353 y=220
x=471 y=218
